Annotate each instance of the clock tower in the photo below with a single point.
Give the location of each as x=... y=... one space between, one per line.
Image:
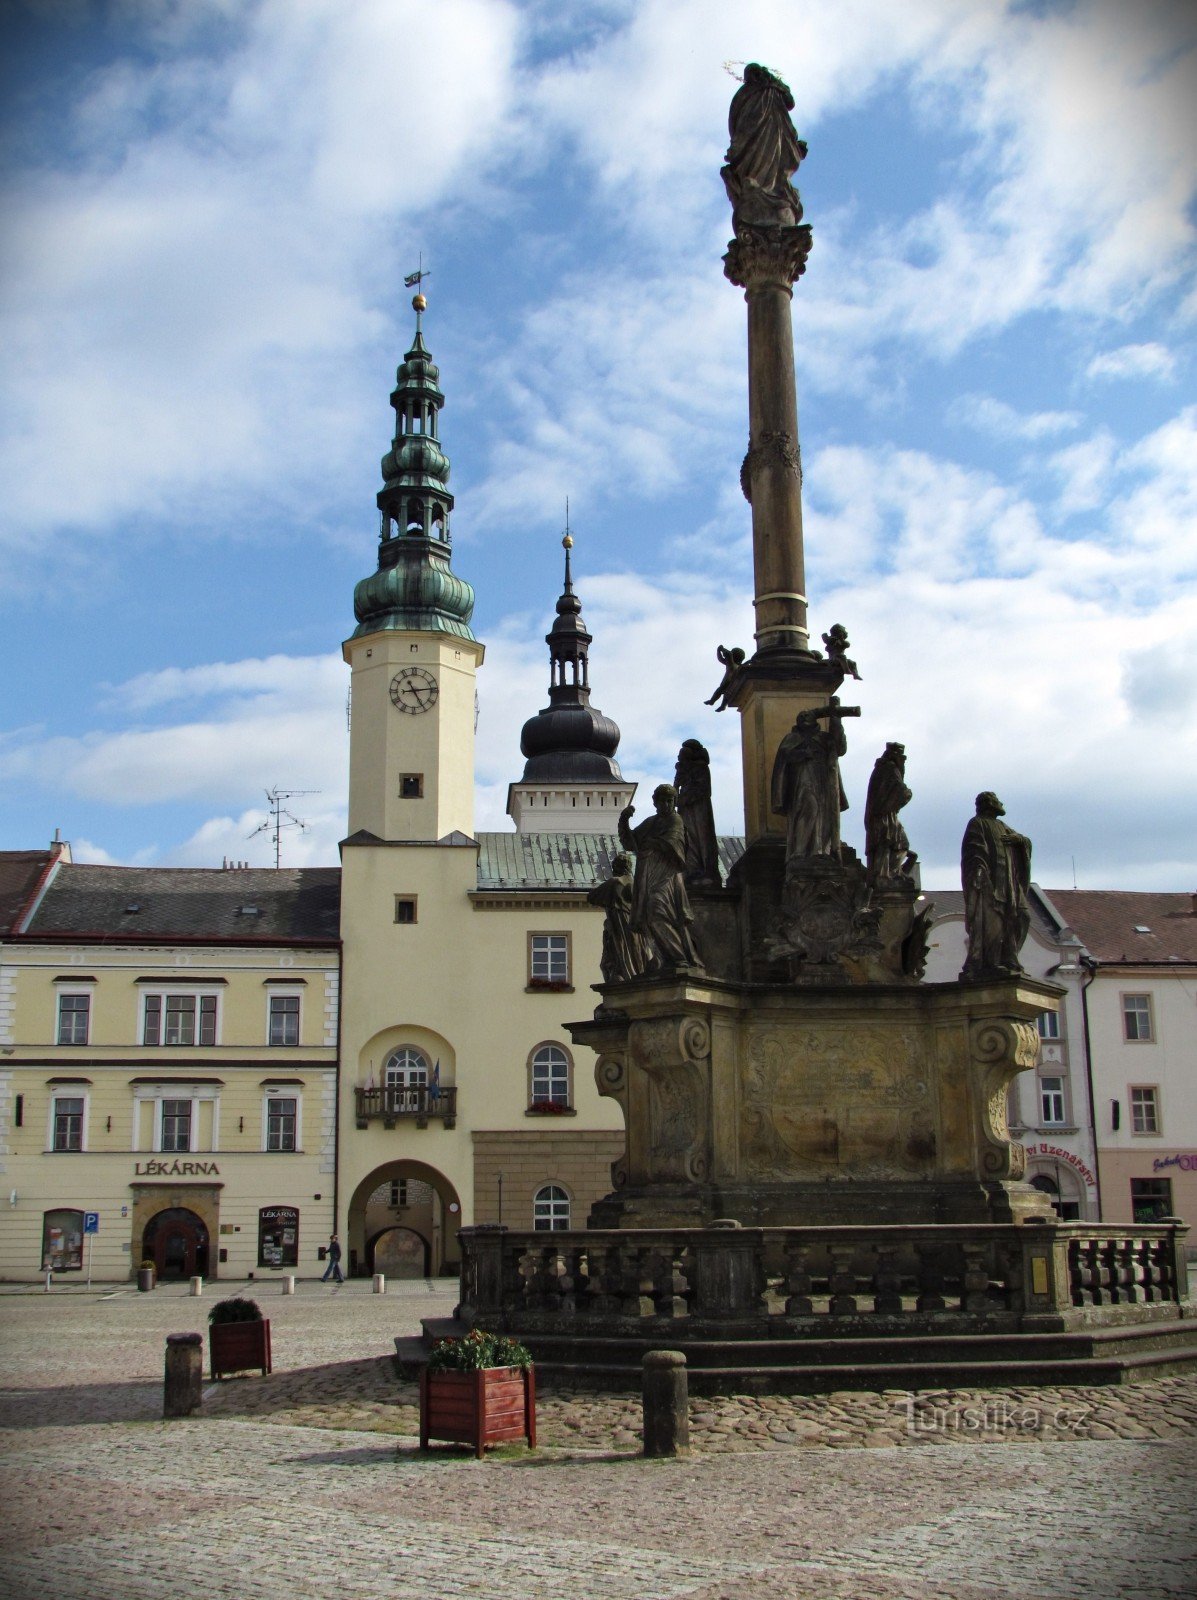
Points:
x=412 y=655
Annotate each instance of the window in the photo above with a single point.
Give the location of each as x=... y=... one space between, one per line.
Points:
x=74 y=1011
x=1145 y=1110
x=62 y=1240
x=1136 y=1018
x=550 y=1077
x=550 y=1208
x=1051 y=1099
x=548 y=960
x=398 y=1193
x=176 y=1125
x=405 y=1080
x=405 y=908
x=278 y=1236
x=1151 y=1199
x=284 y=1019
x=1048 y=1023
x=282 y=1119
x=411 y=786
x=67 y=1122
x=179 y=1019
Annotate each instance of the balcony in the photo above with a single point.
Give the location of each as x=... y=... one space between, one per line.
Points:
x=416 y=1105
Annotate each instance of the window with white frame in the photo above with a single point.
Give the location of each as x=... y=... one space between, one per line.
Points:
x=1051 y=1099
x=179 y=1018
x=551 y=1072
x=405 y=1080
x=548 y=960
x=550 y=1208
x=282 y=1121
x=1136 y=1018
x=74 y=1015
x=68 y=1116
x=1048 y=1024
x=1145 y=1109
x=284 y=1019
x=176 y=1123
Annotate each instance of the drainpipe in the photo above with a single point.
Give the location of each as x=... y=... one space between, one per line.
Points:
x=336 y=1227
x=1090 y=967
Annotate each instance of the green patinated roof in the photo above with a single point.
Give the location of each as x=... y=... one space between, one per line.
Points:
x=560 y=860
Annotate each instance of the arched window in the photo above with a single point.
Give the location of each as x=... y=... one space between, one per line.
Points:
x=550 y=1078
x=404 y=1079
x=550 y=1208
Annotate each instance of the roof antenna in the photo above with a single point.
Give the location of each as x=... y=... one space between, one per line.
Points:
x=275 y=823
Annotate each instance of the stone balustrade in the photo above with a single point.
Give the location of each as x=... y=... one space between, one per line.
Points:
x=762 y=1282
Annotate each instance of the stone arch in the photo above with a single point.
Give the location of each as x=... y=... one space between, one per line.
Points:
x=176 y=1240
x=409 y=1195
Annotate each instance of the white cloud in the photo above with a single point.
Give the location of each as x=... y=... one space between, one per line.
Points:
x=1133 y=361
x=988 y=415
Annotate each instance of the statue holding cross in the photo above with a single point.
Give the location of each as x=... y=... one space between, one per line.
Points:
x=806 y=783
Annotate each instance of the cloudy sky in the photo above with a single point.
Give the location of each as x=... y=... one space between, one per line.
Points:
x=210 y=207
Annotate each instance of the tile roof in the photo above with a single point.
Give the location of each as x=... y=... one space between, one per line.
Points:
x=560 y=860
x=1108 y=922
x=19 y=874
x=292 y=903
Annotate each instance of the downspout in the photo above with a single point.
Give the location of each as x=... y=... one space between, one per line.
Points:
x=1090 y=967
x=336 y=1227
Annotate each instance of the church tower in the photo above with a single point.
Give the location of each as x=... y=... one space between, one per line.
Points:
x=571 y=782
x=413 y=656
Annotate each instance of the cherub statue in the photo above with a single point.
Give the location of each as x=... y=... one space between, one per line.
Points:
x=836 y=640
x=732 y=660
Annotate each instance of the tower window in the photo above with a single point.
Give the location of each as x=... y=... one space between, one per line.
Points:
x=411 y=786
x=405 y=908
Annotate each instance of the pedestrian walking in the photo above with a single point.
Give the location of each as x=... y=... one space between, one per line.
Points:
x=333 y=1269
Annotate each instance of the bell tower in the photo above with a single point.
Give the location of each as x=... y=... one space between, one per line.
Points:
x=412 y=655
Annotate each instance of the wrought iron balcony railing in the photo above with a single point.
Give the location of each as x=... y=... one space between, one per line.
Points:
x=418 y=1105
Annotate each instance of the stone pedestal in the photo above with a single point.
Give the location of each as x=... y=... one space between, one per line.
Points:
x=182 y=1390
x=665 y=1394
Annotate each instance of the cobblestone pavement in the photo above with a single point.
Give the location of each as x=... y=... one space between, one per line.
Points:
x=309 y=1484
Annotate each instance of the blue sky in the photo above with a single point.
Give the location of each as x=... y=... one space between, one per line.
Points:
x=210 y=208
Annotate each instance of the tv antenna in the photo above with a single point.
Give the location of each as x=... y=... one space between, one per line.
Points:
x=280 y=818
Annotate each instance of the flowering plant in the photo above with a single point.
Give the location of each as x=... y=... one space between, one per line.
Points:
x=476 y=1350
x=550 y=1108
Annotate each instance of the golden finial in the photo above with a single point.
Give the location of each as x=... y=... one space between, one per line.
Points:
x=419 y=302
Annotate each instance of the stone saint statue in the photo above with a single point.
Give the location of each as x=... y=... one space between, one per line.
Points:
x=806 y=782
x=692 y=780
x=625 y=954
x=660 y=906
x=886 y=846
x=763 y=154
x=995 y=869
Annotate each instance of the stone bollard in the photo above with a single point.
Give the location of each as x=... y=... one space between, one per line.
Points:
x=182 y=1390
x=666 y=1403
x=197 y=1287
x=289 y=1284
x=380 y=1283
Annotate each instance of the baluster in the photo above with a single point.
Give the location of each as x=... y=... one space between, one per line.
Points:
x=842 y=1283
x=931 y=1278
x=667 y=1283
x=798 y=1281
x=974 y=1280
x=887 y=1281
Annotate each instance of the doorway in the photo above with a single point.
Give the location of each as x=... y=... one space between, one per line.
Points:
x=176 y=1241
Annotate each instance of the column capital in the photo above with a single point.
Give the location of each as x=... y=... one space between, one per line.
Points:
x=764 y=258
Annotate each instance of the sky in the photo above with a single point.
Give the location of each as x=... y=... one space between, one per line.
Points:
x=210 y=206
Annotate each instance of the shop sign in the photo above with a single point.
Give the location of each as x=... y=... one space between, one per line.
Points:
x=1058 y=1153
x=1186 y=1161
x=176 y=1169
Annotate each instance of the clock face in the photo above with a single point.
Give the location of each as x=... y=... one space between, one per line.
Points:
x=413 y=690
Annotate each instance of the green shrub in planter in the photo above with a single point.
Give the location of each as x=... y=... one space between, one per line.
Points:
x=238 y=1309
x=477 y=1351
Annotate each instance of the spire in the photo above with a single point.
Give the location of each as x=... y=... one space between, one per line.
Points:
x=569 y=741
x=415 y=588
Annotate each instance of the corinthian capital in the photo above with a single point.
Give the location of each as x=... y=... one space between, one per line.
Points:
x=760 y=258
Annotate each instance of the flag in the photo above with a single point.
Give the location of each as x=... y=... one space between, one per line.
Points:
x=434 y=1087
x=412 y=279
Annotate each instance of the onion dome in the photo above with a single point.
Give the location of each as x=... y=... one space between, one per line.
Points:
x=415 y=588
x=569 y=741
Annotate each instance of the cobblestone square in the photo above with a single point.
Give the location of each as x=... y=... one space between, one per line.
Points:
x=309 y=1483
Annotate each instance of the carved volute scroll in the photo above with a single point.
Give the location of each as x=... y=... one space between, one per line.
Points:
x=1001 y=1048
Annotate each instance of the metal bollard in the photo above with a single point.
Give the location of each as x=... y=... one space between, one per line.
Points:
x=289 y=1283
x=49 y=1279
x=182 y=1390
x=380 y=1283
x=197 y=1287
x=665 y=1390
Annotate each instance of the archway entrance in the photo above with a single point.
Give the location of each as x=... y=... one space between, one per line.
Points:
x=403 y=1221
x=176 y=1241
x=1066 y=1207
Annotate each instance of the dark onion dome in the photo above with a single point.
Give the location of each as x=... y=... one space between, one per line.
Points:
x=415 y=589
x=569 y=741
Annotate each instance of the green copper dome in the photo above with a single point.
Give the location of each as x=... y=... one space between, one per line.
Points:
x=415 y=588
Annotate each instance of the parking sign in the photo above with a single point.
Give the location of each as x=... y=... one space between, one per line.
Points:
x=91 y=1222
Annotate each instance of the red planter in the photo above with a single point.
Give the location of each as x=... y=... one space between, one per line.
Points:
x=490 y=1406
x=239 y=1347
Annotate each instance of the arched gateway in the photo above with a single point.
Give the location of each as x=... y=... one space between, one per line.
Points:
x=403 y=1221
x=176 y=1241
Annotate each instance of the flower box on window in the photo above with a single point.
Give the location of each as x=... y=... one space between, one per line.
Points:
x=550 y=1108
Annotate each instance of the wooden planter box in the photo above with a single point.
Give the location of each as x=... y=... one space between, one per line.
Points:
x=491 y=1406
x=239 y=1347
